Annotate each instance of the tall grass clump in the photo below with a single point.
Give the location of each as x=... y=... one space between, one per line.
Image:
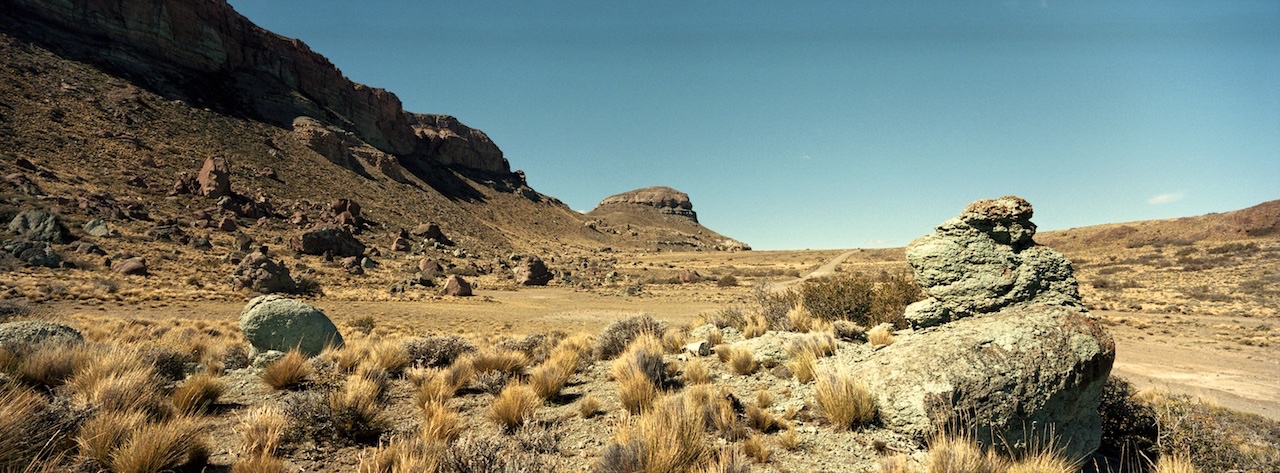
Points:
x=262 y=431
x=618 y=335
x=667 y=438
x=198 y=394
x=162 y=446
x=29 y=426
x=550 y=377
x=845 y=401
x=514 y=406
x=357 y=414
x=286 y=372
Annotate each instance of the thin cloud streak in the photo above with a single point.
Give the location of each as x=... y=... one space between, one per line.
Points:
x=1166 y=198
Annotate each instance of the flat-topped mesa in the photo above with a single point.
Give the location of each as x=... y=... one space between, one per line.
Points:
x=664 y=199
x=984 y=260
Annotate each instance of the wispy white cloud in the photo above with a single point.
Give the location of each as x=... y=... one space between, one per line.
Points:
x=1166 y=198
x=874 y=242
x=805 y=157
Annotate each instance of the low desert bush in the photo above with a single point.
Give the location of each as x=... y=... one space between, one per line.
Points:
x=262 y=431
x=536 y=347
x=669 y=437
x=861 y=299
x=727 y=281
x=437 y=350
x=515 y=405
x=162 y=446
x=477 y=453
x=1129 y=426
x=615 y=337
x=820 y=344
x=880 y=335
x=1214 y=438
x=198 y=394
x=774 y=306
x=364 y=324
x=845 y=401
x=727 y=317
x=289 y=371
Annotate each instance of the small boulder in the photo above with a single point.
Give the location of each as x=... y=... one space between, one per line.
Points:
x=227 y=224
x=332 y=240
x=431 y=231
x=132 y=266
x=214 y=180
x=456 y=286
x=351 y=265
x=98 y=228
x=531 y=271
x=690 y=277
x=30 y=333
x=257 y=272
x=699 y=348
x=38 y=225
x=274 y=322
x=34 y=253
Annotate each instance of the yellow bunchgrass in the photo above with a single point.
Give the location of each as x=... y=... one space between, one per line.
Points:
x=290 y=370
x=821 y=344
x=674 y=339
x=439 y=423
x=137 y=389
x=897 y=463
x=548 y=378
x=635 y=390
x=789 y=439
x=514 y=406
x=881 y=335
x=668 y=437
x=757 y=325
x=760 y=419
x=800 y=318
x=1173 y=463
x=51 y=365
x=845 y=401
x=723 y=352
x=588 y=406
x=101 y=435
x=262 y=430
x=696 y=372
x=20 y=439
x=763 y=398
x=198 y=394
x=803 y=365
x=404 y=455
x=950 y=453
x=389 y=356
x=742 y=362
x=757 y=449
x=499 y=359
x=258 y=464
x=348 y=356
x=715 y=336
x=162 y=446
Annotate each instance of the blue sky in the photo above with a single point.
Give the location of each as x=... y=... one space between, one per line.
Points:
x=841 y=124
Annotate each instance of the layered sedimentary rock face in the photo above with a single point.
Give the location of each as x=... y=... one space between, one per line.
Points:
x=664 y=199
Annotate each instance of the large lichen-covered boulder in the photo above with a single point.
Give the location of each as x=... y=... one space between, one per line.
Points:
x=273 y=322
x=1002 y=346
x=30 y=333
x=984 y=260
x=38 y=225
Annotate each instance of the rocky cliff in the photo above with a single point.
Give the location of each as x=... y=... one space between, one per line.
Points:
x=206 y=53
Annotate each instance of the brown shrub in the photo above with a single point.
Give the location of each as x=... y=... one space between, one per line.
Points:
x=618 y=335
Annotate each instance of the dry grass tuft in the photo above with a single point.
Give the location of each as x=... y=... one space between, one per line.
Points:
x=134 y=390
x=723 y=352
x=789 y=440
x=635 y=390
x=51 y=365
x=674 y=339
x=760 y=419
x=803 y=366
x=515 y=405
x=288 y=371
x=696 y=372
x=25 y=428
x=100 y=436
x=439 y=423
x=262 y=430
x=618 y=335
x=588 y=406
x=258 y=464
x=763 y=398
x=644 y=356
x=499 y=359
x=162 y=446
x=757 y=449
x=800 y=318
x=845 y=401
x=669 y=437
x=715 y=336
x=549 y=377
x=1175 y=464
x=728 y=460
x=757 y=325
x=741 y=361
x=951 y=453
x=198 y=394
x=405 y=455
x=897 y=463
x=881 y=335
x=389 y=356
x=356 y=413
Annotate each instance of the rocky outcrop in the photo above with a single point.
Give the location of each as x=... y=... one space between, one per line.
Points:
x=984 y=260
x=214 y=179
x=456 y=286
x=531 y=271
x=38 y=225
x=279 y=323
x=664 y=199
x=31 y=333
x=332 y=240
x=447 y=141
x=131 y=266
x=1002 y=346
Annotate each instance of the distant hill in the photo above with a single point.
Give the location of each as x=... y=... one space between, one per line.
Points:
x=1262 y=220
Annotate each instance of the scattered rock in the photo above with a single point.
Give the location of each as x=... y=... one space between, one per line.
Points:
x=351 y=265
x=98 y=228
x=227 y=224
x=30 y=333
x=531 y=271
x=332 y=240
x=86 y=248
x=257 y=272
x=456 y=286
x=38 y=225
x=34 y=253
x=699 y=348
x=136 y=266
x=214 y=180
x=431 y=231
x=430 y=267
x=274 y=322
x=690 y=277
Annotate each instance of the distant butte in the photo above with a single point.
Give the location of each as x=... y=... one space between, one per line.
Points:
x=664 y=199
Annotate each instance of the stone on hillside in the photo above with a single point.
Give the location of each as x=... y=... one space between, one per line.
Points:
x=98 y=228
x=214 y=179
x=690 y=277
x=332 y=240
x=227 y=224
x=274 y=322
x=351 y=265
x=431 y=231
x=34 y=253
x=456 y=286
x=257 y=272
x=27 y=333
x=531 y=271
x=132 y=266
x=984 y=260
x=1003 y=343
x=38 y=225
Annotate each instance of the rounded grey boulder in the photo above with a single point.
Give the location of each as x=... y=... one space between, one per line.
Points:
x=37 y=332
x=273 y=322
